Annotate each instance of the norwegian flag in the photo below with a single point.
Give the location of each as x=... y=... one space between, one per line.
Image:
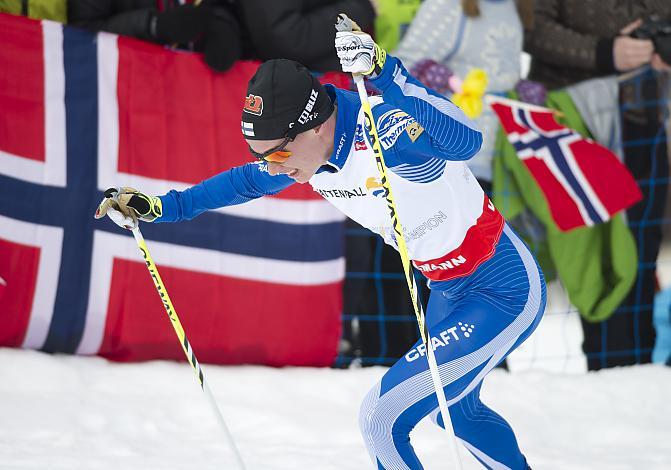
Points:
x=583 y=182
x=256 y=283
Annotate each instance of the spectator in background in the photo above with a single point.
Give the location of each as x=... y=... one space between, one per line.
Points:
x=456 y=36
x=575 y=40
x=392 y=21
x=55 y=10
x=209 y=27
x=301 y=30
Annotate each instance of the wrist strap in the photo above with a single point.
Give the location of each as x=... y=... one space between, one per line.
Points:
x=379 y=58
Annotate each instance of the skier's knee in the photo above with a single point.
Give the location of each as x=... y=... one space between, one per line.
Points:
x=369 y=415
x=371 y=420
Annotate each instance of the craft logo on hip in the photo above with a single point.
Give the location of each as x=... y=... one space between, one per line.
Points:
x=458 y=332
x=253 y=105
x=374 y=186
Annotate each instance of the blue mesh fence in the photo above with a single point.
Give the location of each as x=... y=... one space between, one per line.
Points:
x=379 y=324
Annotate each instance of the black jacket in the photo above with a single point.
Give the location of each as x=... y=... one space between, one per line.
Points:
x=572 y=40
x=214 y=31
x=127 y=17
x=301 y=30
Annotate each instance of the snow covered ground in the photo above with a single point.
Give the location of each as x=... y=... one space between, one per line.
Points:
x=64 y=412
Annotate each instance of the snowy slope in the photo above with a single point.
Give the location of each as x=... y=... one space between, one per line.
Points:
x=63 y=412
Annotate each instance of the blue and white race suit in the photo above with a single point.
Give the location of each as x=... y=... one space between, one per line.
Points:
x=487 y=291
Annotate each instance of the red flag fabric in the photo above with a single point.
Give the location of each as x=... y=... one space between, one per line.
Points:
x=257 y=283
x=583 y=182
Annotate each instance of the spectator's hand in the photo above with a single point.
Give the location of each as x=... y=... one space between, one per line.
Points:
x=631 y=27
x=222 y=44
x=358 y=53
x=630 y=53
x=658 y=64
x=180 y=24
x=125 y=206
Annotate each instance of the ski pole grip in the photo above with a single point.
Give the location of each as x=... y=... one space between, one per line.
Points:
x=345 y=23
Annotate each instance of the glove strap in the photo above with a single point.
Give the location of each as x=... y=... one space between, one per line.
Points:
x=379 y=59
x=149 y=208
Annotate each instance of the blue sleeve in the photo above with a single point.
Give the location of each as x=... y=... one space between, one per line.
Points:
x=441 y=129
x=234 y=186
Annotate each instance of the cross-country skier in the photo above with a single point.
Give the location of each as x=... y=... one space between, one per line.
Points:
x=487 y=291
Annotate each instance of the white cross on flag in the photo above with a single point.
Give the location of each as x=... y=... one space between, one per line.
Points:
x=583 y=182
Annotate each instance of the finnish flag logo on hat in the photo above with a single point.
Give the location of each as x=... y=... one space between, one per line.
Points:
x=247 y=128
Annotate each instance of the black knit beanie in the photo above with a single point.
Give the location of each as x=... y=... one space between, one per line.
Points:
x=283 y=99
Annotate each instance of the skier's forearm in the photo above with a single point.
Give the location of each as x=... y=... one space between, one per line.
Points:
x=234 y=186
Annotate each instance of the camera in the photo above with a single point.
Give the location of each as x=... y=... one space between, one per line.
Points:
x=659 y=32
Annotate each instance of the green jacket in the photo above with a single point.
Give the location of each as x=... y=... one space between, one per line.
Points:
x=393 y=18
x=55 y=10
x=597 y=265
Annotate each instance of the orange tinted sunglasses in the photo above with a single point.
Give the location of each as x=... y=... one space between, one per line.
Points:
x=276 y=154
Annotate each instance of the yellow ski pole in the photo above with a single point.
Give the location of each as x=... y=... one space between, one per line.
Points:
x=346 y=24
x=186 y=346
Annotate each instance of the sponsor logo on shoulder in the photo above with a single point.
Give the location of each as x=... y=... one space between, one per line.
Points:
x=390 y=126
x=414 y=130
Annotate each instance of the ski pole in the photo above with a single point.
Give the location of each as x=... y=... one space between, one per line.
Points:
x=343 y=23
x=186 y=346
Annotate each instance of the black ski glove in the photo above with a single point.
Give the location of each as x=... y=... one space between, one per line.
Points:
x=223 y=42
x=125 y=206
x=181 y=24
